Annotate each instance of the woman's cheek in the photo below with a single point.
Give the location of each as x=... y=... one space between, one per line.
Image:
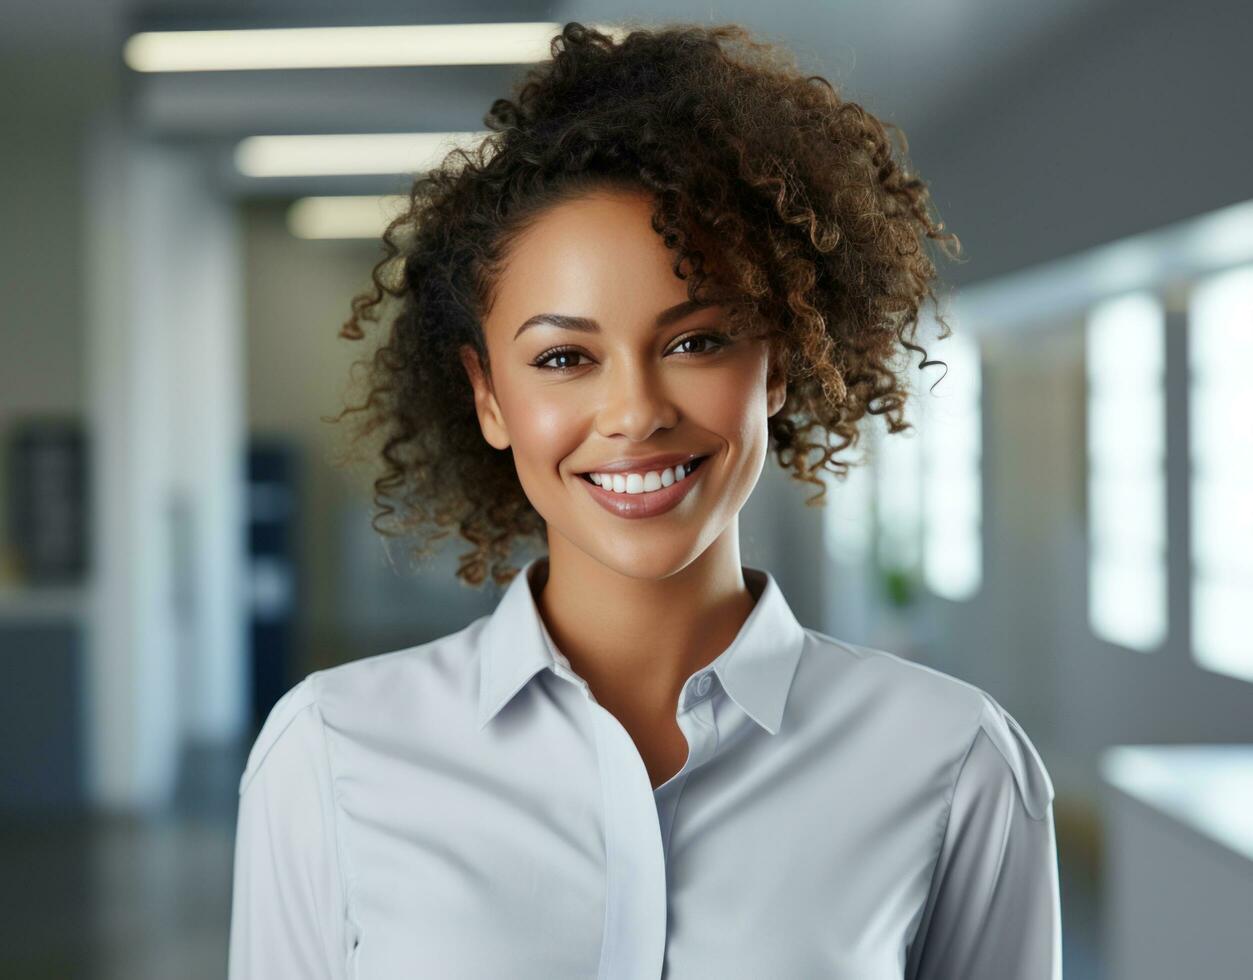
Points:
x=544 y=430
x=727 y=401
x=547 y=417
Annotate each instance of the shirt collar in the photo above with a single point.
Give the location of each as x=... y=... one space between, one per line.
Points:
x=756 y=669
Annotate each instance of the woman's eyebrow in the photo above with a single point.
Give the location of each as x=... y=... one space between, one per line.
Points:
x=585 y=324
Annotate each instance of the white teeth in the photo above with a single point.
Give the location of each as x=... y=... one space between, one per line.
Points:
x=639 y=482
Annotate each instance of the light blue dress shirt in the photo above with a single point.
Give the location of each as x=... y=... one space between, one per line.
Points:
x=466 y=809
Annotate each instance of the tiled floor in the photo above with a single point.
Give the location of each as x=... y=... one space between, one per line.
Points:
x=114 y=898
x=150 y=899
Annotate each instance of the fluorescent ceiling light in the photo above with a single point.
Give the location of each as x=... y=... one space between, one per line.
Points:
x=349 y=216
x=347 y=153
x=344 y=47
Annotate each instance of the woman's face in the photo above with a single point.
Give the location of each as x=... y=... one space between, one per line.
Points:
x=633 y=385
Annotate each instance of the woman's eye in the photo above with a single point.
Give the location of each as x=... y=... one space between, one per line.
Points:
x=703 y=341
x=543 y=360
x=717 y=340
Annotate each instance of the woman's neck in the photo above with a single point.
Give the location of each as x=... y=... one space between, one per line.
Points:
x=636 y=640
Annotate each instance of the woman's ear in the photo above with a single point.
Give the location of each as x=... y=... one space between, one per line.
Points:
x=776 y=387
x=491 y=419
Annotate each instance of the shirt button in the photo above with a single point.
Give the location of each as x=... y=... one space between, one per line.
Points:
x=703 y=685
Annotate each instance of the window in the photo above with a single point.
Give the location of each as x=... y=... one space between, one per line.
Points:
x=898 y=499
x=952 y=500
x=1220 y=428
x=848 y=519
x=1125 y=341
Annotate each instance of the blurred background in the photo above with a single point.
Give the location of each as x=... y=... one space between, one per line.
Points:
x=184 y=218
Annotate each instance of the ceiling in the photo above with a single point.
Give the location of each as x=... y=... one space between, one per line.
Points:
x=909 y=61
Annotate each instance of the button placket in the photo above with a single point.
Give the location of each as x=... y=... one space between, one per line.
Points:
x=636 y=905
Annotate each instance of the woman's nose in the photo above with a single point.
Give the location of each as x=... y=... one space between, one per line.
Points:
x=636 y=403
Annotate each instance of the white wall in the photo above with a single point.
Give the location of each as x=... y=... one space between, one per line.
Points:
x=166 y=639
x=202 y=244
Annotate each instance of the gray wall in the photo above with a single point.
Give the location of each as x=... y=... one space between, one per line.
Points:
x=360 y=594
x=46 y=102
x=1135 y=118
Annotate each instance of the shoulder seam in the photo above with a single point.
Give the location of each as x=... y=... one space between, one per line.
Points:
x=974 y=737
x=302 y=697
x=346 y=880
x=1017 y=772
x=950 y=794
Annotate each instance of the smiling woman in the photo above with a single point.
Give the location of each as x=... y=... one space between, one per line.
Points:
x=760 y=188
x=675 y=256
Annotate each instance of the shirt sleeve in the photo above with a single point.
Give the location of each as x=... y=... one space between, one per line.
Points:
x=288 y=909
x=993 y=910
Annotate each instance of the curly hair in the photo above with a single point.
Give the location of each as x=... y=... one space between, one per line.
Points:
x=766 y=185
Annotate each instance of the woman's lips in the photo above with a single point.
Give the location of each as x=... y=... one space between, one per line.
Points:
x=647 y=504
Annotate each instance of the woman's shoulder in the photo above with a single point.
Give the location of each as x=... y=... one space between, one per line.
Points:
x=436 y=670
x=1018 y=755
x=360 y=694
x=943 y=711
x=895 y=684
x=289 y=720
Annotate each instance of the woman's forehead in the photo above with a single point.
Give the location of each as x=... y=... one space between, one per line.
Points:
x=589 y=257
x=595 y=230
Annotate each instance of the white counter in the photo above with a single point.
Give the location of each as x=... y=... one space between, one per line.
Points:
x=1178 y=845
